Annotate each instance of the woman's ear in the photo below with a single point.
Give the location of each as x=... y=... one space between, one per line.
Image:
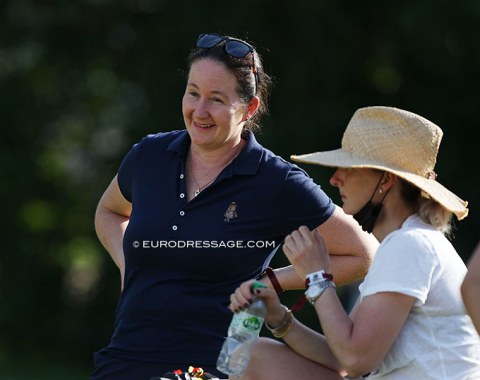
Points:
x=389 y=179
x=252 y=107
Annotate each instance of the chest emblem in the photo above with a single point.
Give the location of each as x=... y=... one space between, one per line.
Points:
x=231 y=212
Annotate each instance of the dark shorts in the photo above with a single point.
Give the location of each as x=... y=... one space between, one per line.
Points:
x=111 y=367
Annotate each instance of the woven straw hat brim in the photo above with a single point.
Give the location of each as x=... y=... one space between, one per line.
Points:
x=343 y=159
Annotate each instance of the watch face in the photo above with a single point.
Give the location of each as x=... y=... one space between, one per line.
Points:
x=313 y=291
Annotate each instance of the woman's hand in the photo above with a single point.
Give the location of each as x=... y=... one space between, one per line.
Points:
x=307 y=252
x=243 y=297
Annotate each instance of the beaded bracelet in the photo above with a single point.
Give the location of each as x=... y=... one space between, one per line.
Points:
x=285 y=326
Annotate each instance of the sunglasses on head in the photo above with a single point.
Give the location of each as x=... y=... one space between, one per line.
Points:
x=234 y=47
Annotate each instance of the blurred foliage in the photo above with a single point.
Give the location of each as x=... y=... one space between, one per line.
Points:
x=81 y=81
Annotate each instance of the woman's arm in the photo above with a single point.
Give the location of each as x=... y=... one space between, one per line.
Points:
x=111 y=220
x=471 y=288
x=305 y=341
x=351 y=251
x=359 y=341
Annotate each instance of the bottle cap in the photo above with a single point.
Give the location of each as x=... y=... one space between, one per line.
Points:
x=258 y=285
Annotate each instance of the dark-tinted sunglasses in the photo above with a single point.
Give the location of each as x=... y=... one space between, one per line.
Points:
x=233 y=47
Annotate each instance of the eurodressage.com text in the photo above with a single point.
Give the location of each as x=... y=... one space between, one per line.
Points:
x=203 y=244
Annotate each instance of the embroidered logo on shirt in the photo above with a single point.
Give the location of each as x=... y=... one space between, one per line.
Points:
x=231 y=212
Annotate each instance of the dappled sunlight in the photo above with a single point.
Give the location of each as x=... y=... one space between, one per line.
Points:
x=80 y=282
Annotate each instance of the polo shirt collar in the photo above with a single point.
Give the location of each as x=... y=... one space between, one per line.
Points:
x=246 y=163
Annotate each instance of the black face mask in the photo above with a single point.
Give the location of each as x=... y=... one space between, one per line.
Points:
x=367 y=216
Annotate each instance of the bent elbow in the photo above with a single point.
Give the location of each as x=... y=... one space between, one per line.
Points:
x=356 y=367
x=359 y=372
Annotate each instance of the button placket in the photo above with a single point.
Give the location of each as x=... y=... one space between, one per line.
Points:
x=182 y=195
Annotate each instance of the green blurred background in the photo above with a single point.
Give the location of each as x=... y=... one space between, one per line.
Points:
x=81 y=81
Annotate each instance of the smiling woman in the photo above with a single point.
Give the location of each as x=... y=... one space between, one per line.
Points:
x=214 y=116
x=211 y=103
x=212 y=182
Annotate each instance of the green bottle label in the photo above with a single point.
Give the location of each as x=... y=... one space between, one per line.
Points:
x=246 y=323
x=253 y=323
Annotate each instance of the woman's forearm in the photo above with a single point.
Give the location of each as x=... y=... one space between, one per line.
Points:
x=111 y=221
x=110 y=228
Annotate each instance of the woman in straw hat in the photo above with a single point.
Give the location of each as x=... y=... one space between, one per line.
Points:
x=409 y=321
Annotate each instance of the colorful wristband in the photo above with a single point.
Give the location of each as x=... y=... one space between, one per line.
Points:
x=316 y=277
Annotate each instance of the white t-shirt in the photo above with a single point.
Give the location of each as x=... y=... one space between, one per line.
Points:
x=438 y=340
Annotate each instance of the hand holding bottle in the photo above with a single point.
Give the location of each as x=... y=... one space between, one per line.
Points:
x=243 y=331
x=244 y=296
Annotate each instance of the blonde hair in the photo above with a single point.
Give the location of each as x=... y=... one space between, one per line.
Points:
x=435 y=214
x=429 y=210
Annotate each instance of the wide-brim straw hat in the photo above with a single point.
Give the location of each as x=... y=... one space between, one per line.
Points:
x=396 y=141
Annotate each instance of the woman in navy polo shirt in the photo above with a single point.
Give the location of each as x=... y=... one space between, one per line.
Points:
x=194 y=213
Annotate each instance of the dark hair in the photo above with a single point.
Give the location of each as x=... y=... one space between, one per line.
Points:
x=243 y=71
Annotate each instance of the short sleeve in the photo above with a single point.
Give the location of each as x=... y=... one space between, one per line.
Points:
x=306 y=203
x=126 y=172
x=402 y=264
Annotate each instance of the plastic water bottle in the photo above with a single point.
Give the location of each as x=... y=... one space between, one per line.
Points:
x=243 y=331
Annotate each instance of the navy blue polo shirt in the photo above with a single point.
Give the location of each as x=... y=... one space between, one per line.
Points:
x=184 y=259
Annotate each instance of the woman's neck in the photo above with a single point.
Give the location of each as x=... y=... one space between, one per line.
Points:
x=392 y=216
x=203 y=167
x=214 y=159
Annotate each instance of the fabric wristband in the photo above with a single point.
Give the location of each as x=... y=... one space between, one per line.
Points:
x=312 y=278
x=316 y=277
x=273 y=279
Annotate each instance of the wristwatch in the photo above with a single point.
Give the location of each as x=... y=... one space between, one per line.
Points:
x=314 y=291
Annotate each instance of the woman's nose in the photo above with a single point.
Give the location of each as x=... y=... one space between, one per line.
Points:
x=335 y=178
x=201 y=110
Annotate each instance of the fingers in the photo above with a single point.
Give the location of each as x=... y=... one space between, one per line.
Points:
x=275 y=310
x=299 y=237
x=299 y=240
x=306 y=250
x=242 y=298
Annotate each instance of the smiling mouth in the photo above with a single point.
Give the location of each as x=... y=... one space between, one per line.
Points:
x=204 y=126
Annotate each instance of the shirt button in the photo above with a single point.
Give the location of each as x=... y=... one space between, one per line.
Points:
x=182 y=213
x=182 y=195
x=182 y=176
x=174 y=228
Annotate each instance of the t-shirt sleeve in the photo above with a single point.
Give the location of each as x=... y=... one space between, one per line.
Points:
x=305 y=201
x=403 y=265
x=126 y=172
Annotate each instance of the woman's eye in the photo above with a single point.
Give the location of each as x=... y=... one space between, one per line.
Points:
x=217 y=100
